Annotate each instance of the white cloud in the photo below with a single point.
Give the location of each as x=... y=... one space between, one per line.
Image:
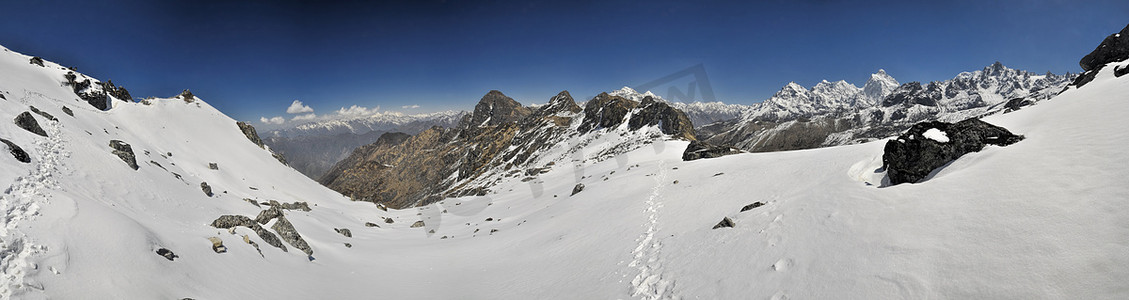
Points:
x=275 y=120
x=305 y=117
x=296 y=107
x=410 y=106
x=357 y=111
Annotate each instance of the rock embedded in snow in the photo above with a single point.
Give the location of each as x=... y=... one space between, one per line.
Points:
x=125 y=152
x=168 y=254
x=371 y=224
x=752 y=206
x=232 y=221
x=725 y=222
x=290 y=235
x=578 y=188
x=36 y=61
x=206 y=188
x=248 y=131
x=213 y=166
x=929 y=145
x=68 y=111
x=42 y=113
x=1114 y=48
x=344 y=231
x=418 y=224
x=698 y=150
x=217 y=245
x=16 y=151
x=27 y=122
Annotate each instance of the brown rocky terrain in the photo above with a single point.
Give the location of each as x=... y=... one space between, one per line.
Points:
x=500 y=138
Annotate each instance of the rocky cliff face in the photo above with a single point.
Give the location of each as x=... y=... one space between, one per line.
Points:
x=1114 y=48
x=501 y=138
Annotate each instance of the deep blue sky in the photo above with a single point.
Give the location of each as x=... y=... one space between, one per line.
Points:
x=252 y=58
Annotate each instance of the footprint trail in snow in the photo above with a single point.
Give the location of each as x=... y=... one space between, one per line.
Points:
x=649 y=283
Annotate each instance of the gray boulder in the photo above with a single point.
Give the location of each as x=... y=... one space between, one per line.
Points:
x=68 y=111
x=206 y=188
x=291 y=236
x=27 y=122
x=167 y=254
x=699 y=150
x=231 y=221
x=125 y=152
x=344 y=231
x=913 y=156
x=16 y=151
x=725 y=222
x=578 y=188
x=43 y=113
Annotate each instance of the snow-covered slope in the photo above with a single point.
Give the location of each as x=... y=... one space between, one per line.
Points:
x=1043 y=218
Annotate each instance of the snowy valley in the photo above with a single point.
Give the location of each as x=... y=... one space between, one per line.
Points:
x=591 y=201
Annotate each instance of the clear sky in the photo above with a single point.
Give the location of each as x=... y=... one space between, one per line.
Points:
x=252 y=58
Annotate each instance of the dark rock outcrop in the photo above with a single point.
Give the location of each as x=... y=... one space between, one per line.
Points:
x=125 y=152
x=912 y=93
x=249 y=132
x=268 y=214
x=16 y=151
x=669 y=119
x=117 y=92
x=206 y=188
x=913 y=156
x=67 y=110
x=187 y=96
x=752 y=206
x=495 y=109
x=577 y=189
x=291 y=236
x=167 y=254
x=213 y=166
x=726 y=222
x=43 y=113
x=605 y=111
x=27 y=122
x=418 y=224
x=231 y=221
x=1114 y=48
x=36 y=61
x=699 y=150
x=344 y=231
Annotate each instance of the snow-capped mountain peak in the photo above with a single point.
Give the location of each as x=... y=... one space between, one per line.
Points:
x=877 y=87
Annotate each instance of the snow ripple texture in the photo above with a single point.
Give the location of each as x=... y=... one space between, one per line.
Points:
x=20 y=202
x=650 y=284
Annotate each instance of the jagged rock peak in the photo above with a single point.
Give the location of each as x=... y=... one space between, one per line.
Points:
x=562 y=102
x=495 y=108
x=1114 y=48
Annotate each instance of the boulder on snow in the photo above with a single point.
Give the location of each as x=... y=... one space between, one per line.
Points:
x=27 y=122
x=16 y=151
x=344 y=231
x=125 y=152
x=1114 y=48
x=187 y=96
x=249 y=132
x=929 y=145
x=752 y=206
x=576 y=189
x=418 y=224
x=206 y=188
x=232 y=221
x=725 y=222
x=217 y=245
x=699 y=150
x=67 y=110
x=371 y=224
x=37 y=61
x=213 y=166
x=291 y=236
x=167 y=254
x=42 y=113
x=268 y=214
x=302 y=206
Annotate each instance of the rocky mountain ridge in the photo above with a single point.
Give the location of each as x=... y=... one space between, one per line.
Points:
x=501 y=138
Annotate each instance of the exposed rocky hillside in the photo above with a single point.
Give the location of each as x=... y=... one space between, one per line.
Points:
x=500 y=139
x=313 y=148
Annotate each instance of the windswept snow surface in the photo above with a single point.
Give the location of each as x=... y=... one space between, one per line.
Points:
x=1043 y=218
